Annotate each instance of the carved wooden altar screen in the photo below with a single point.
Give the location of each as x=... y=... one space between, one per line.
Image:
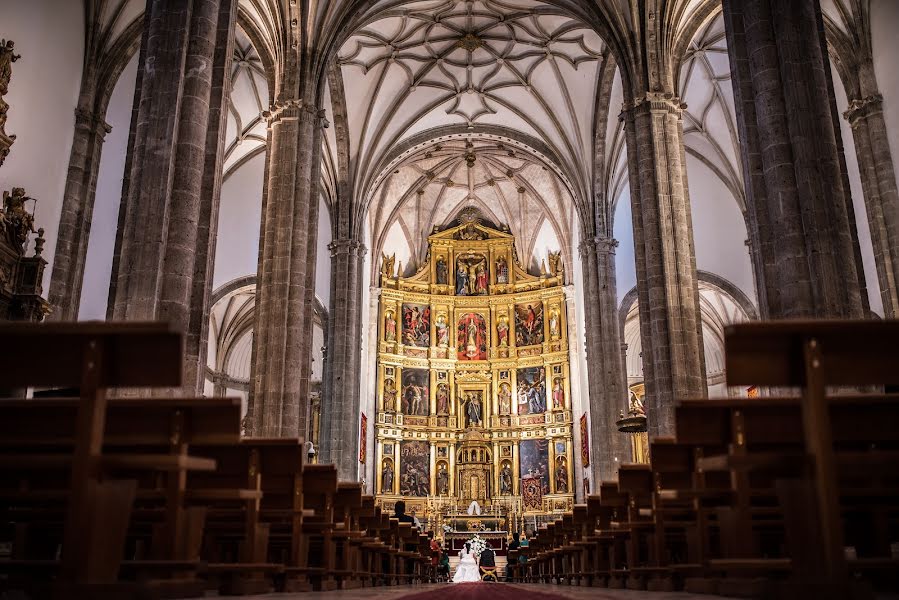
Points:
x=473 y=378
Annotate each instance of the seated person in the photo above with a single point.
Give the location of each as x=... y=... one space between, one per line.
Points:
x=487 y=563
x=513 y=545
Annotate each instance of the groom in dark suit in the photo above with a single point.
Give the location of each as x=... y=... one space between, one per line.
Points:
x=487 y=563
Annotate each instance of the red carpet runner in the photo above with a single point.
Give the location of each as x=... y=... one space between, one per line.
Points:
x=481 y=591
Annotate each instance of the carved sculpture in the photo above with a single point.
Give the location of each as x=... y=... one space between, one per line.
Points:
x=19 y=222
x=387 y=263
x=555 y=264
x=7 y=57
x=20 y=275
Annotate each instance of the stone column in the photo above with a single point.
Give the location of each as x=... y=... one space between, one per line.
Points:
x=875 y=165
x=797 y=199
x=77 y=208
x=341 y=404
x=667 y=283
x=285 y=290
x=605 y=363
x=164 y=248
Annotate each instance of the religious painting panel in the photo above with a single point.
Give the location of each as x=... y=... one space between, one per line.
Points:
x=471 y=337
x=531 y=394
x=471 y=275
x=416 y=469
x=416 y=392
x=529 y=323
x=416 y=325
x=534 y=472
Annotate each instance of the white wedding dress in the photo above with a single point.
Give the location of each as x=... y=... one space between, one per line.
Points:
x=467 y=569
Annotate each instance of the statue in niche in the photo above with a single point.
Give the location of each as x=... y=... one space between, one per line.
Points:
x=389 y=327
x=442 y=480
x=505 y=398
x=502 y=270
x=442 y=331
x=441 y=271
x=389 y=395
x=481 y=279
x=473 y=410
x=442 y=399
x=461 y=280
x=502 y=332
x=387 y=478
x=554 y=324
x=558 y=393
x=505 y=480
x=562 y=477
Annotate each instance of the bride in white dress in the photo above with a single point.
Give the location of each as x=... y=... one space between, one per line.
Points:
x=468 y=567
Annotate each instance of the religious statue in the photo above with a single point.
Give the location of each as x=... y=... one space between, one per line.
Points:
x=555 y=264
x=441 y=271
x=415 y=401
x=481 y=279
x=461 y=280
x=505 y=399
x=505 y=480
x=442 y=481
x=558 y=393
x=442 y=399
x=474 y=409
x=387 y=263
x=472 y=280
x=474 y=508
x=7 y=58
x=387 y=478
x=389 y=395
x=502 y=271
x=18 y=220
x=389 y=327
x=636 y=405
x=502 y=332
x=470 y=232
x=471 y=343
x=554 y=324
x=562 y=478
x=442 y=331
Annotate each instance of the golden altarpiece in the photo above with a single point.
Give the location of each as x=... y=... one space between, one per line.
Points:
x=473 y=385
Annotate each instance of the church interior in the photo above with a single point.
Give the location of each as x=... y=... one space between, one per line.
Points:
x=332 y=299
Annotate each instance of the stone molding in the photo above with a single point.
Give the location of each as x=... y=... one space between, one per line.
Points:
x=861 y=108
x=291 y=110
x=347 y=246
x=600 y=245
x=653 y=102
x=92 y=121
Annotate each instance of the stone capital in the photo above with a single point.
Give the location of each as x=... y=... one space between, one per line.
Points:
x=91 y=120
x=346 y=247
x=653 y=102
x=860 y=108
x=292 y=110
x=600 y=245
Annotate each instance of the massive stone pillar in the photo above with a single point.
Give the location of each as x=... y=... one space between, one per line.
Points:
x=77 y=209
x=162 y=267
x=340 y=411
x=605 y=363
x=875 y=165
x=798 y=202
x=285 y=289
x=667 y=284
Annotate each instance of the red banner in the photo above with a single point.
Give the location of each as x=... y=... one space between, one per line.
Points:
x=362 y=430
x=532 y=492
x=585 y=441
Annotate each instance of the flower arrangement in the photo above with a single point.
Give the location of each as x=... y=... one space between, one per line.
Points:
x=477 y=545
